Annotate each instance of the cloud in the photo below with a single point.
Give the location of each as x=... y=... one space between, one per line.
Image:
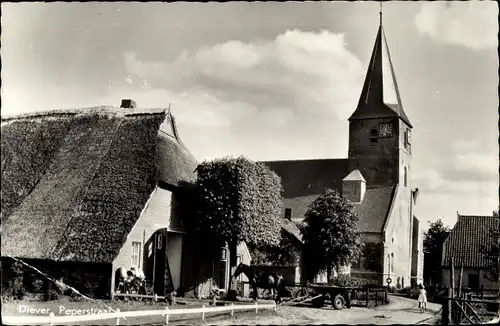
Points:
x=467 y=170
x=485 y=164
x=300 y=71
x=472 y=24
x=283 y=98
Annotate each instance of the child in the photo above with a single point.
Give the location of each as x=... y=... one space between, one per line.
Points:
x=422 y=299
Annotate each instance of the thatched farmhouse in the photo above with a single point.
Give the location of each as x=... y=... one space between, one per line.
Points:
x=88 y=191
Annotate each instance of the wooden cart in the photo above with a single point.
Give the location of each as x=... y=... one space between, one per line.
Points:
x=319 y=294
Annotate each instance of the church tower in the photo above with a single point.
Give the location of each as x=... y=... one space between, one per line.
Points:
x=379 y=130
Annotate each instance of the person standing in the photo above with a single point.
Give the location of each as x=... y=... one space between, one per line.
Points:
x=422 y=299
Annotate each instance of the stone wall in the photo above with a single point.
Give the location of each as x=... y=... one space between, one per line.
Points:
x=378 y=163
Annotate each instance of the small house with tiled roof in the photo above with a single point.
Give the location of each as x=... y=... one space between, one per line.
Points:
x=466 y=244
x=375 y=177
x=89 y=191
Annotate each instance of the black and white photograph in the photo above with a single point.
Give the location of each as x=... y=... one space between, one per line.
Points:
x=250 y=163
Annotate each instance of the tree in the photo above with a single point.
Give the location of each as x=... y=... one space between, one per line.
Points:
x=495 y=213
x=286 y=254
x=433 y=249
x=491 y=253
x=331 y=237
x=236 y=200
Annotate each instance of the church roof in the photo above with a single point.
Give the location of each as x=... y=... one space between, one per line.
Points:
x=374 y=208
x=304 y=180
x=355 y=175
x=380 y=96
x=75 y=182
x=467 y=239
x=292 y=229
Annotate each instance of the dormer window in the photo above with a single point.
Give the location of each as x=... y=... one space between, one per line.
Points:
x=373 y=136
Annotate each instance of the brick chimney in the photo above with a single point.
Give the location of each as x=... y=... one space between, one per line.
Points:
x=128 y=104
x=354 y=187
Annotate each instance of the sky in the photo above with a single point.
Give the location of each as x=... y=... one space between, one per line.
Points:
x=275 y=81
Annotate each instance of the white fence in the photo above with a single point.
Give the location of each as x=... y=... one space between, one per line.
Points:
x=58 y=320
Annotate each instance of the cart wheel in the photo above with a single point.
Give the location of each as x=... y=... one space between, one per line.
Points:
x=319 y=302
x=338 y=302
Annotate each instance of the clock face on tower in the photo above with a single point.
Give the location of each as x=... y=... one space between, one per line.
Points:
x=385 y=130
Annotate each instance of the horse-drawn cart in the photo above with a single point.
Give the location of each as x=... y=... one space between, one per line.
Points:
x=319 y=294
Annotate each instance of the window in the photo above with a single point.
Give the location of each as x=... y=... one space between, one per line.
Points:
x=406 y=177
x=288 y=214
x=392 y=263
x=150 y=249
x=373 y=136
x=159 y=241
x=223 y=254
x=389 y=262
x=136 y=254
x=474 y=281
x=355 y=189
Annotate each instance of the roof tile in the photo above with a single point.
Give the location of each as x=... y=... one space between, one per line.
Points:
x=466 y=240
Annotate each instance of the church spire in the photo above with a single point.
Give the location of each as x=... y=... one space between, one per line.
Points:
x=380 y=94
x=380 y=13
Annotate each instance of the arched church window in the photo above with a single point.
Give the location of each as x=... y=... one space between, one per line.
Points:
x=373 y=136
x=392 y=263
x=406 y=177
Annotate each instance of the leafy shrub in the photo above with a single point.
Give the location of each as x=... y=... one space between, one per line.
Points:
x=16 y=289
x=239 y=200
x=51 y=292
x=37 y=285
x=393 y=289
x=346 y=280
x=330 y=233
x=286 y=254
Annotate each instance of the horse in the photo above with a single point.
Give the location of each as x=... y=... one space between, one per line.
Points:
x=274 y=282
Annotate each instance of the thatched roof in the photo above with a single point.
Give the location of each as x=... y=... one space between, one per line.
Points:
x=74 y=183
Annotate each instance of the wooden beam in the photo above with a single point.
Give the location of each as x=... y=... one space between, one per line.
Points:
x=463 y=311
x=460 y=281
x=452 y=270
x=473 y=312
x=310 y=299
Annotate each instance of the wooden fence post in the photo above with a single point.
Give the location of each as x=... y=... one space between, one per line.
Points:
x=166 y=316
x=449 y=303
x=232 y=309
x=367 y=296
x=118 y=318
x=256 y=307
x=452 y=307
x=452 y=269
x=203 y=312
x=482 y=292
x=445 y=312
x=51 y=318
x=460 y=281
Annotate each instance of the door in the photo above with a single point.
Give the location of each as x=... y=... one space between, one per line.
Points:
x=159 y=263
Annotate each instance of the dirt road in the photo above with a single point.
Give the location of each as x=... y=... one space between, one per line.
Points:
x=398 y=311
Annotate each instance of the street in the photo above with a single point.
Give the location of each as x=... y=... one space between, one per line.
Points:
x=399 y=311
